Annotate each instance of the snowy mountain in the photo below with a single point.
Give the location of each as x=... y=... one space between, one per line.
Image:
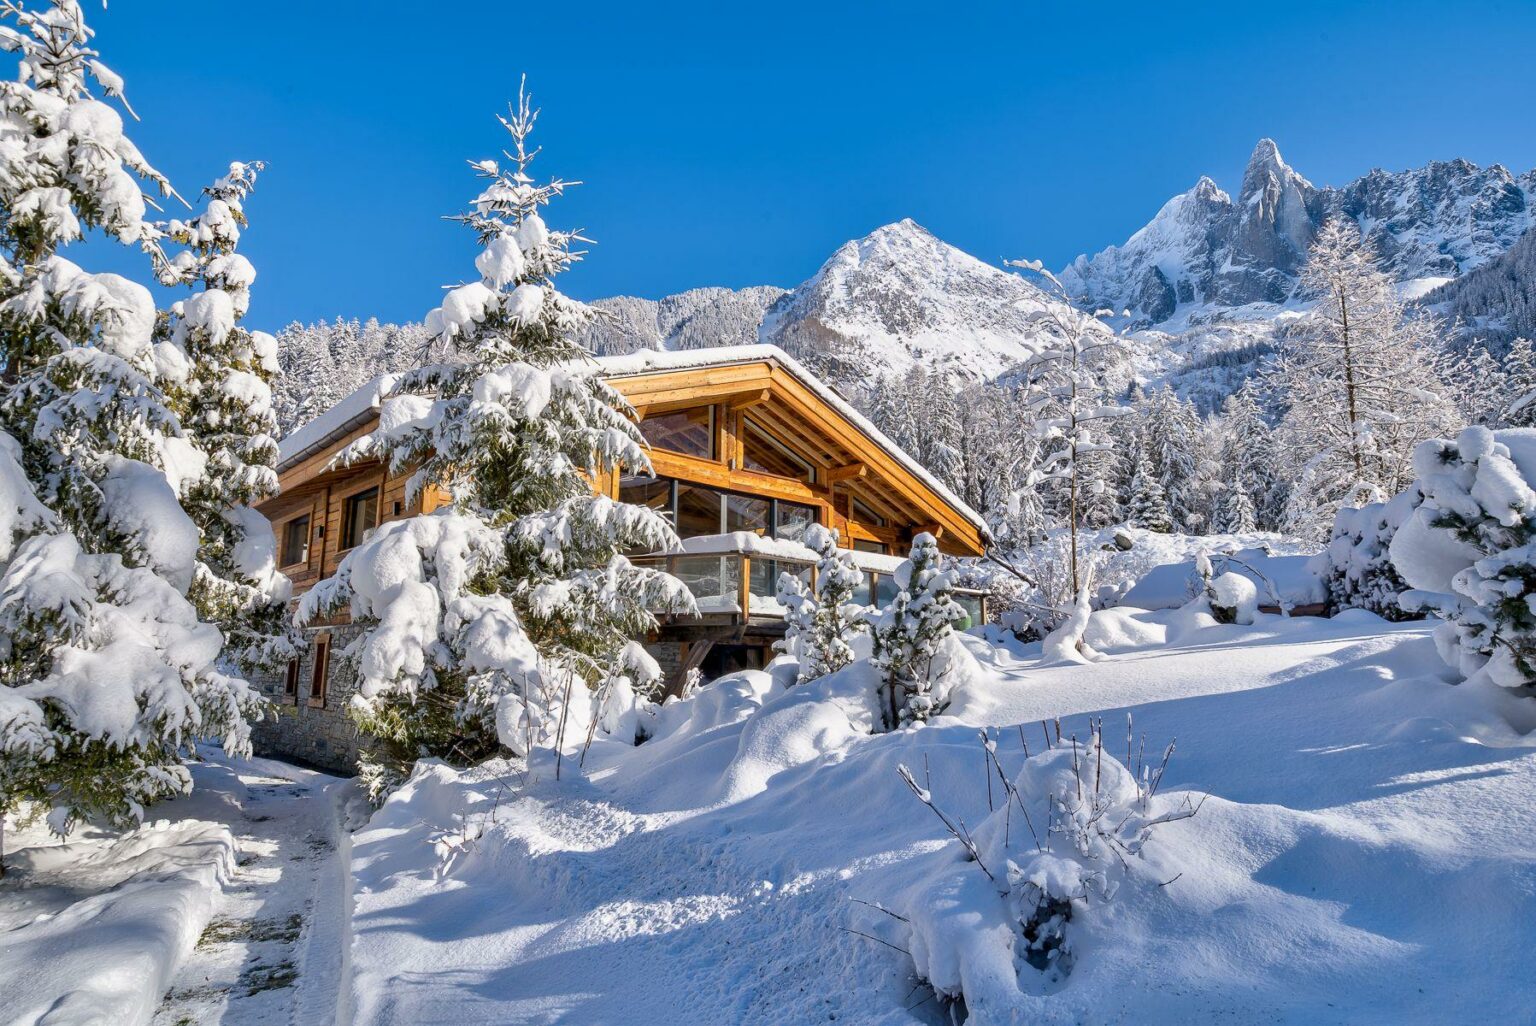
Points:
x=901 y=297
x=1205 y=252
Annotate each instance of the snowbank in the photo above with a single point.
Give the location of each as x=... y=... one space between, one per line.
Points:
x=1361 y=814
x=92 y=931
x=1174 y=584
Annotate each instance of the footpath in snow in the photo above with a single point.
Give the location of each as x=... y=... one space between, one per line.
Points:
x=228 y=907
x=1367 y=855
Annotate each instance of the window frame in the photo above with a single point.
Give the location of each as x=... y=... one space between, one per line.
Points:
x=750 y=426
x=292 y=674
x=320 y=672
x=711 y=454
x=284 y=528
x=347 y=502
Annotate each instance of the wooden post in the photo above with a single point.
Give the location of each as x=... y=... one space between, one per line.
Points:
x=746 y=587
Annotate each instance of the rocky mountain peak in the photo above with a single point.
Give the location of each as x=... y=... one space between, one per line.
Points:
x=1204 y=252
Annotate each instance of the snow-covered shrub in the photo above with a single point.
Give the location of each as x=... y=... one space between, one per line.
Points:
x=108 y=672
x=1067 y=837
x=1357 y=565
x=915 y=650
x=1466 y=552
x=490 y=624
x=820 y=626
x=1233 y=598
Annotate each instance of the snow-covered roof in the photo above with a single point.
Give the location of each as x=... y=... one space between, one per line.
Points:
x=346 y=416
x=362 y=405
x=653 y=361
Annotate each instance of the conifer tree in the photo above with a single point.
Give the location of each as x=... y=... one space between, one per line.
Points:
x=107 y=673
x=486 y=623
x=911 y=637
x=218 y=377
x=1359 y=382
x=1146 y=505
x=821 y=623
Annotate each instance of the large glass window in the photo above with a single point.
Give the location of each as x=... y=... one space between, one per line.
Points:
x=864 y=515
x=698 y=511
x=744 y=513
x=868 y=546
x=691 y=432
x=767 y=455
x=792 y=521
x=360 y=515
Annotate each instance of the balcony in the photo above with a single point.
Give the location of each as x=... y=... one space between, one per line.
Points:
x=729 y=573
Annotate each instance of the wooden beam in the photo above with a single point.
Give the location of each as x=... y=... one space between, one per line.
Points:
x=747 y=400
x=846 y=472
x=937 y=530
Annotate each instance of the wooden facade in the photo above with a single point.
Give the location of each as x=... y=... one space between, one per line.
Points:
x=857 y=483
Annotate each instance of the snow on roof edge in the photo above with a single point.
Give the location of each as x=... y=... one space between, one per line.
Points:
x=654 y=361
x=363 y=402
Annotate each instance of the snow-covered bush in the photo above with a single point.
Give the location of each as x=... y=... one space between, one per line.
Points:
x=915 y=650
x=1066 y=838
x=821 y=625
x=1357 y=565
x=1233 y=598
x=108 y=673
x=489 y=624
x=1466 y=552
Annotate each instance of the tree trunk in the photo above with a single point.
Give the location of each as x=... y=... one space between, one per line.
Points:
x=1349 y=387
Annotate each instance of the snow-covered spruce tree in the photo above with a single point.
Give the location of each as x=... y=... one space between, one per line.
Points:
x=107 y=673
x=1466 y=552
x=1359 y=381
x=821 y=624
x=913 y=635
x=486 y=623
x=1174 y=443
x=1357 y=563
x=218 y=378
x=1146 y=504
x=1246 y=465
x=1518 y=408
x=1065 y=388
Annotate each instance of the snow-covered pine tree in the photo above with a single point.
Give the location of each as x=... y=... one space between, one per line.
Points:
x=486 y=623
x=912 y=639
x=1246 y=463
x=822 y=623
x=1175 y=439
x=1065 y=387
x=218 y=378
x=107 y=673
x=1146 y=504
x=1518 y=408
x=1360 y=384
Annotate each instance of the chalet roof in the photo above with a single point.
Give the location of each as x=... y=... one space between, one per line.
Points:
x=362 y=406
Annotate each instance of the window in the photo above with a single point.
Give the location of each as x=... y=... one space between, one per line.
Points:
x=743 y=513
x=360 y=515
x=767 y=455
x=792 y=519
x=864 y=515
x=698 y=510
x=296 y=541
x=322 y=670
x=869 y=546
x=885 y=589
x=291 y=682
x=690 y=432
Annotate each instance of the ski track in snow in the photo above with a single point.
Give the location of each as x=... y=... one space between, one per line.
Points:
x=274 y=951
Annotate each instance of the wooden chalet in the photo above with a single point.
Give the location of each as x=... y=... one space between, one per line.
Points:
x=748 y=450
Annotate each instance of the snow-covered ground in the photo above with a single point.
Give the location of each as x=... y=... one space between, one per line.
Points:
x=229 y=907
x=1368 y=852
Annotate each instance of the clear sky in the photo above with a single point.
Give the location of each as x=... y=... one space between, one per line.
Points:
x=738 y=144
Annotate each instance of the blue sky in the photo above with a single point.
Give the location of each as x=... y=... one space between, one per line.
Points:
x=737 y=144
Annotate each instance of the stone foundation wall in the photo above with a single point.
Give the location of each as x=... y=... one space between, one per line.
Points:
x=319 y=735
